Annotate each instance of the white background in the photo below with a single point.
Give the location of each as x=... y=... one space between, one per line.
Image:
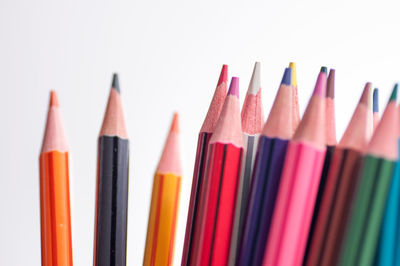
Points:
x=168 y=56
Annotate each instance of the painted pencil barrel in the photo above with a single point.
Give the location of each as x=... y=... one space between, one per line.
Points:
x=111 y=201
x=367 y=212
x=267 y=170
x=387 y=245
x=197 y=183
x=321 y=189
x=273 y=176
x=161 y=229
x=336 y=202
x=222 y=174
x=294 y=205
x=250 y=143
x=55 y=209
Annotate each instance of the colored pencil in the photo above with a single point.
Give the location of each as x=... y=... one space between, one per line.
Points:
x=376 y=107
x=217 y=207
x=341 y=180
x=54 y=191
x=295 y=97
x=387 y=244
x=202 y=147
x=299 y=184
x=266 y=176
x=161 y=227
x=252 y=123
x=112 y=184
x=363 y=229
x=330 y=141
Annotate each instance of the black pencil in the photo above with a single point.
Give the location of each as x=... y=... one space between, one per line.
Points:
x=112 y=185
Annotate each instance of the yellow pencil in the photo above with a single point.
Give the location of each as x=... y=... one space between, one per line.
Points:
x=161 y=227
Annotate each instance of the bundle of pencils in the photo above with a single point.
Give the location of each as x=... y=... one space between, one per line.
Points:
x=112 y=184
x=160 y=240
x=340 y=185
x=362 y=232
x=299 y=184
x=267 y=172
x=217 y=206
x=55 y=217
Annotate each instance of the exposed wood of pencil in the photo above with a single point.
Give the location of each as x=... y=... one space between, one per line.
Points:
x=54 y=191
x=200 y=161
x=161 y=228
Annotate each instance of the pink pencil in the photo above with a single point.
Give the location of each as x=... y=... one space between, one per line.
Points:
x=299 y=184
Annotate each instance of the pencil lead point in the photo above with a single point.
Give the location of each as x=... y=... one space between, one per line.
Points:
x=287 y=77
x=175 y=123
x=366 y=95
x=324 y=69
x=115 y=83
x=223 y=77
x=375 y=97
x=330 y=88
x=292 y=66
x=54 y=99
x=234 y=87
x=255 y=82
x=393 y=96
x=320 y=85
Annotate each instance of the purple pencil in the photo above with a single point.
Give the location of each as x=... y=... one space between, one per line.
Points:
x=270 y=156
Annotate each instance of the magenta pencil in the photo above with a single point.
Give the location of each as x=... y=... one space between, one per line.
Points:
x=299 y=184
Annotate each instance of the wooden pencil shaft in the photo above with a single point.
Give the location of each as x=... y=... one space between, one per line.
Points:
x=387 y=245
x=111 y=201
x=55 y=209
x=325 y=170
x=250 y=147
x=218 y=205
x=375 y=177
x=265 y=183
x=335 y=204
x=160 y=240
x=294 y=205
x=197 y=183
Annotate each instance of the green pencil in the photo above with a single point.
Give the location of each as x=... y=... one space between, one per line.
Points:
x=362 y=232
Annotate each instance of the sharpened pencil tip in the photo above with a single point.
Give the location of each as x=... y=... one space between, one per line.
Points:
x=393 y=96
x=320 y=85
x=366 y=95
x=234 y=87
x=330 y=88
x=54 y=99
x=175 y=123
x=255 y=82
x=292 y=66
x=115 y=82
x=223 y=77
x=375 y=103
x=324 y=69
x=287 y=77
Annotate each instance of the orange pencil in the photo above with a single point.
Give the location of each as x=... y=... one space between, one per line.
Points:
x=54 y=191
x=161 y=227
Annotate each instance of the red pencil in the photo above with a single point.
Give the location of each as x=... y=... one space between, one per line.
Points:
x=202 y=148
x=217 y=207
